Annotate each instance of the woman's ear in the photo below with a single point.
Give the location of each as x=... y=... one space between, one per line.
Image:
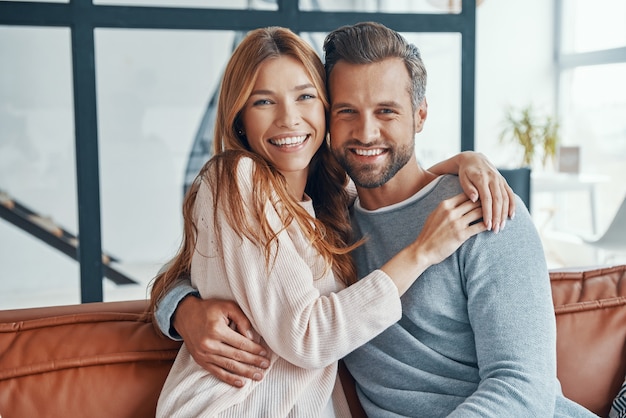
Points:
x=420 y=116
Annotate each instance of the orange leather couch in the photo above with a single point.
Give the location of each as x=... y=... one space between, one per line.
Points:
x=106 y=360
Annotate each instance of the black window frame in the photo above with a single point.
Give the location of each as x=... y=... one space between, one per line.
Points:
x=82 y=17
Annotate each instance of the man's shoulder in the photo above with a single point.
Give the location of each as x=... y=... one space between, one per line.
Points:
x=444 y=187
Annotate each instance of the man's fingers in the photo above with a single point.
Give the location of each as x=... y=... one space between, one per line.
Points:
x=244 y=351
x=225 y=376
x=229 y=370
x=241 y=322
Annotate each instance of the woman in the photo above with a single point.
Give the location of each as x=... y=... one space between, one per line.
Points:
x=265 y=225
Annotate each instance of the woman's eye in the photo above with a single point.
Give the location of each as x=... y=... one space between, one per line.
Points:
x=261 y=102
x=307 y=97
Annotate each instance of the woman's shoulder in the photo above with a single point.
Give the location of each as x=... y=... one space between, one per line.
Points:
x=247 y=172
x=239 y=163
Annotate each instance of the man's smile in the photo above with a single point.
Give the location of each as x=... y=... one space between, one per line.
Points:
x=368 y=152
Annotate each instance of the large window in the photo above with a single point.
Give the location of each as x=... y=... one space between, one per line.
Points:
x=590 y=53
x=105 y=112
x=591 y=62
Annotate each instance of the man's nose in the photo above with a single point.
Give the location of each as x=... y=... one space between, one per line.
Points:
x=367 y=129
x=288 y=115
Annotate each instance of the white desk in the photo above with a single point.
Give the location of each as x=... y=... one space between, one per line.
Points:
x=557 y=183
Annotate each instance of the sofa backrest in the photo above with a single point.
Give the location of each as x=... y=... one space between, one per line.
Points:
x=90 y=360
x=590 y=309
x=106 y=359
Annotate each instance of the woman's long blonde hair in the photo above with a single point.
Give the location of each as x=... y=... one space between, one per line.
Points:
x=329 y=234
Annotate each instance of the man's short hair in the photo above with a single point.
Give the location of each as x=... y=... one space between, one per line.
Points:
x=371 y=42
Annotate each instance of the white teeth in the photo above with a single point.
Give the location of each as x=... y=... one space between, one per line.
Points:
x=289 y=141
x=370 y=152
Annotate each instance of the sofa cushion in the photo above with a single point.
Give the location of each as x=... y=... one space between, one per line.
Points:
x=91 y=360
x=106 y=359
x=590 y=309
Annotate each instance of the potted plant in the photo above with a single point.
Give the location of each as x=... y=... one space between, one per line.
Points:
x=535 y=134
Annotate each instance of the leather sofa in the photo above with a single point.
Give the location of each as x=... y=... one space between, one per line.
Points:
x=106 y=359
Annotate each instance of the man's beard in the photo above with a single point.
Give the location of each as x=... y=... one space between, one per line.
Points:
x=370 y=176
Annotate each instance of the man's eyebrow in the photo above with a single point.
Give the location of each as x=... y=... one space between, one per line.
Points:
x=391 y=103
x=339 y=105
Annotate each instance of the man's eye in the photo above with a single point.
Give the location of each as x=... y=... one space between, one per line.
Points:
x=386 y=111
x=345 y=111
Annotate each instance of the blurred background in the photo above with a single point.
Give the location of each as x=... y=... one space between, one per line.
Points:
x=550 y=60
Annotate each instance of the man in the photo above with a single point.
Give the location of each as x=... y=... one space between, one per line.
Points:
x=477 y=337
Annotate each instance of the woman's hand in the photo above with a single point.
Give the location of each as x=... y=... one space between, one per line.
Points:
x=452 y=222
x=482 y=181
x=212 y=330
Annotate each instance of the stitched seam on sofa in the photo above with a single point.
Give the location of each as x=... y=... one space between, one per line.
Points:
x=99 y=360
x=590 y=305
x=69 y=319
x=586 y=274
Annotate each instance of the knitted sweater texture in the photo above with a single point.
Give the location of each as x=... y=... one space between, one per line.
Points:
x=477 y=336
x=302 y=314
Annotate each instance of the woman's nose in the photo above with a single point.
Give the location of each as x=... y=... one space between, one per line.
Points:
x=289 y=116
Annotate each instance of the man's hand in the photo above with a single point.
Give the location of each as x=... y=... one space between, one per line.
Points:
x=219 y=337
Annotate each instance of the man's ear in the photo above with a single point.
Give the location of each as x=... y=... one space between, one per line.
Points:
x=420 y=116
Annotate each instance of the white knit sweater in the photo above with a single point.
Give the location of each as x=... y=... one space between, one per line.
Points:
x=303 y=315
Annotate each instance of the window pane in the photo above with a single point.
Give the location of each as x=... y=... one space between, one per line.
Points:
x=154 y=87
x=593 y=25
x=37 y=164
x=594 y=105
x=208 y=4
x=441 y=137
x=595 y=108
x=385 y=6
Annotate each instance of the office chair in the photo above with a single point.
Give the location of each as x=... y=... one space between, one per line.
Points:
x=614 y=238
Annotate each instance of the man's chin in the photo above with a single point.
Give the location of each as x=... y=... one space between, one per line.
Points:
x=369 y=180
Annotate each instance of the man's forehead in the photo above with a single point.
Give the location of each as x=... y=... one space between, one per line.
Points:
x=385 y=79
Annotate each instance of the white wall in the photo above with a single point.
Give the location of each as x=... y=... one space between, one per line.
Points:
x=513 y=67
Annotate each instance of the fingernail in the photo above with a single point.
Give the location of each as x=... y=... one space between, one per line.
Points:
x=264 y=364
x=502 y=225
x=263 y=353
x=496 y=228
x=249 y=334
x=488 y=225
x=474 y=197
x=256 y=376
x=513 y=215
x=238 y=383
